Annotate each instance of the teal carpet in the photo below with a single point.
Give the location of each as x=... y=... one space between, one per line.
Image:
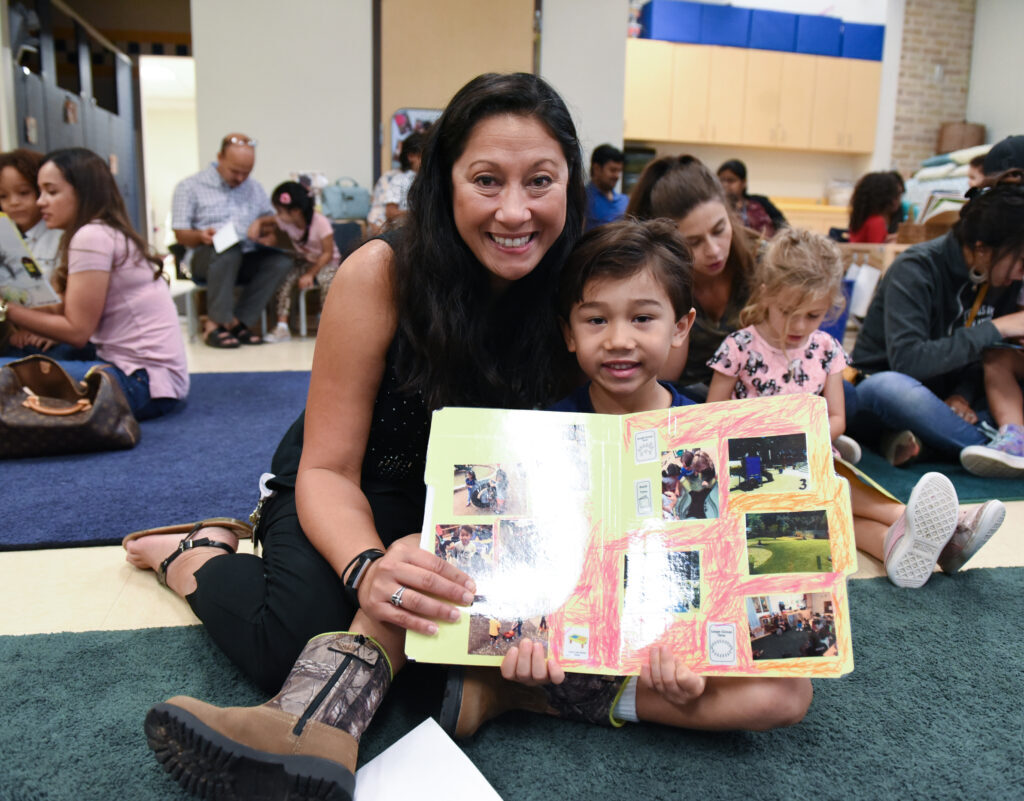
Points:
x=970 y=488
x=934 y=709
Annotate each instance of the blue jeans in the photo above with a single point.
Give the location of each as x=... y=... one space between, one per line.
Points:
x=135 y=386
x=897 y=402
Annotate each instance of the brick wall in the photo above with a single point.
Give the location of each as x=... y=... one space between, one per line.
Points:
x=935 y=67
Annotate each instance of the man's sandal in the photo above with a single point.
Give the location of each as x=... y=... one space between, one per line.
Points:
x=239 y=528
x=245 y=335
x=220 y=337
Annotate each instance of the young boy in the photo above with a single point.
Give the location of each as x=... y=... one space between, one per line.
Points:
x=625 y=303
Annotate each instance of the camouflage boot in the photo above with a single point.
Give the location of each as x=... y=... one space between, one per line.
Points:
x=473 y=696
x=301 y=744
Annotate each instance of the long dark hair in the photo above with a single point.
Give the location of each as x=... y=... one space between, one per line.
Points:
x=458 y=343
x=875 y=193
x=99 y=200
x=293 y=195
x=672 y=187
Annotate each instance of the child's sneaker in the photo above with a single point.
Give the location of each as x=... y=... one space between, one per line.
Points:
x=913 y=543
x=900 y=447
x=281 y=333
x=974 y=528
x=848 y=448
x=1003 y=457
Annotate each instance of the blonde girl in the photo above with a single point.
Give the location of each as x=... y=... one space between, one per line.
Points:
x=781 y=350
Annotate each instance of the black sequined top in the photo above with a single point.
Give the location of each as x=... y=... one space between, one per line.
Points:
x=395 y=457
x=396 y=449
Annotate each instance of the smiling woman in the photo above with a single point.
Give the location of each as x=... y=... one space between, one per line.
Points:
x=453 y=308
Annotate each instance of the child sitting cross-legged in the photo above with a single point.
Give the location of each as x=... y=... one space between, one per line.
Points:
x=624 y=301
x=782 y=351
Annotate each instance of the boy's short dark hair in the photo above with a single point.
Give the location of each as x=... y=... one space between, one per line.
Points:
x=604 y=153
x=619 y=250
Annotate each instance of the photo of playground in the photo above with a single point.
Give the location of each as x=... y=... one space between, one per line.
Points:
x=490 y=636
x=790 y=626
x=666 y=581
x=469 y=547
x=768 y=464
x=689 y=485
x=489 y=489
x=788 y=542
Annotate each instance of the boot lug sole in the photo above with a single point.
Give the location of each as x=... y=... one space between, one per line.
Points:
x=212 y=766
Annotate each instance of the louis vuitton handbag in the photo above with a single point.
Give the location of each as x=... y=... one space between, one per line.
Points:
x=44 y=412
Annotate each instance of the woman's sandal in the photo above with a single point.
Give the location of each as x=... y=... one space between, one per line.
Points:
x=243 y=334
x=239 y=528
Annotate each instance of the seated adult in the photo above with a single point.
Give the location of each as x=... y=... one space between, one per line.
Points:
x=875 y=201
x=938 y=310
x=683 y=189
x=19 y=193
x=604 y=204
x=112 y=287
x=204 y=203
x=757 y=212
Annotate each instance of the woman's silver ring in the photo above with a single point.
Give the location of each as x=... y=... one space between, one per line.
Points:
x=396 y=596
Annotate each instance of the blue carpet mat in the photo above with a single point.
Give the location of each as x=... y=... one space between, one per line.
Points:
x=933 y=710
x=205 y=461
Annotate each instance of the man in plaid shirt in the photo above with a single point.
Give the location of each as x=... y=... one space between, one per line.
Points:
x=219 y=196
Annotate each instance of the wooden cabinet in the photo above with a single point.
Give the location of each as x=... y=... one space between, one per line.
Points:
x=862 y=105
x=726 y=88
x=691 y=80
x=796 y=100
x=735 y=96
x=845 y=105
x=648 y=107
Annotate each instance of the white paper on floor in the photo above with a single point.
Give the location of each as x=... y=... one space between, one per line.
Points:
x=402 y=770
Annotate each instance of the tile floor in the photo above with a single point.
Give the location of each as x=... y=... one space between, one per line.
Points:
x=82 y=589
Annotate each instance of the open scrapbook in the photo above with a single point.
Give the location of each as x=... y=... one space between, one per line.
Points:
x=720 y=530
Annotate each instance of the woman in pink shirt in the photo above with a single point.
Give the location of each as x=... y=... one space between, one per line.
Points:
x=112 y=294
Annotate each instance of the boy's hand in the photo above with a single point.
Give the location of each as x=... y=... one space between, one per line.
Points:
x=671 y=678
x=527 y=664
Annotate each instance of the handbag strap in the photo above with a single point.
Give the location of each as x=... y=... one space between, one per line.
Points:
x=34 y=403
x=350 y=182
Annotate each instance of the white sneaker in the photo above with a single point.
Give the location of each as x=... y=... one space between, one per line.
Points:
x=281 y=333
x=974 y=528
x=913 y=543
x=848 y=448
